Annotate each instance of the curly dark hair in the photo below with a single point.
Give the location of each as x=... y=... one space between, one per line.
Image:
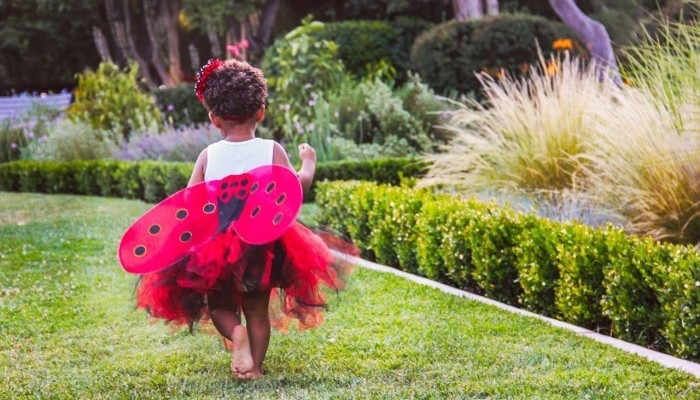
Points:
x=235 y=90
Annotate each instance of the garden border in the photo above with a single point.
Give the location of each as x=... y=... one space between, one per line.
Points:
x=660 y=358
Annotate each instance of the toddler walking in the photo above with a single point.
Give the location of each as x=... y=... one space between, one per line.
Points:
x=226 y=279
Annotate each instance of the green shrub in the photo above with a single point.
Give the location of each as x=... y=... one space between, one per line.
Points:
x=584 y=256
x=630 y=300
x=457 y=255
x=12 y=140
x=393 y=220
x=334 y=199
x=431 y=236
x=388 y=170
x=68 y=140
x=492 y=240
x=602 y=279
x=299 y=69
x=109 y=99
x=677 y=284
x=448 y=56
x=537 y=264
x=361 y=43
x=180 y=106
x=364 y=44
x=152 y=181
x=129 y=183
x=160 y=179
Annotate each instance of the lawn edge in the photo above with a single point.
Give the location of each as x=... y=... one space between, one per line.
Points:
x=660 y=358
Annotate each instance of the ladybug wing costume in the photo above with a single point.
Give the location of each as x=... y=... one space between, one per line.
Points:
x=233 y=235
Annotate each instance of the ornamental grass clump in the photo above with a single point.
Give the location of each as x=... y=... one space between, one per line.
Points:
x=647 y=169
x=667 y=63
x=646 y=158
x=528 y=137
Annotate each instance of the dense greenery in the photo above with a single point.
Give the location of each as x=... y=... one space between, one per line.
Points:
x=635 y=288
x=153 y=181
x=111 y=100
x=43 y=44
x=450 y=55
x=180 y=106
x=70 y=330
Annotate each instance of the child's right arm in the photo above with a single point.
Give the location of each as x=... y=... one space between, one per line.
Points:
x=198 y=170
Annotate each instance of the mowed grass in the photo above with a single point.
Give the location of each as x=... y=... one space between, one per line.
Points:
x=68 y=329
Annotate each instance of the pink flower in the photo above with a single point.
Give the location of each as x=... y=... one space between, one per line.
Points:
x=233 y=49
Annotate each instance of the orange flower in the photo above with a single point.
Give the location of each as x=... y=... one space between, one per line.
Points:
x=497 y=73
x=552 y=67
x=563 y=44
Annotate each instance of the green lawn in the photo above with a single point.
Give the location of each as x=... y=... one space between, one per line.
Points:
x=68 y=329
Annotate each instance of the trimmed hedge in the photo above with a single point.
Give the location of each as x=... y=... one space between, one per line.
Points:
x=153 y=181
x=631 y=287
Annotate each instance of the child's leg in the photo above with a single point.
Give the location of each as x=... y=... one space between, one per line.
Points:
x=226 y=318
x=223 y=313
x=255 y=309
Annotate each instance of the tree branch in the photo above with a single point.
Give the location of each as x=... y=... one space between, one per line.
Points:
x=593 y=34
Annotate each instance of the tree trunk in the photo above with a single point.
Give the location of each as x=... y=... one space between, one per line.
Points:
x=133 y=50
x=267 y=21
x=492 y=7
x=468 y=9
x=156 y=57
x=593 y=34
x=169 y=11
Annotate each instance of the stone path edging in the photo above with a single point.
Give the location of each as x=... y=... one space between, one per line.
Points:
x=661 y=358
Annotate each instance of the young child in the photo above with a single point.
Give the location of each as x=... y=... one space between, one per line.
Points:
x=226 y=276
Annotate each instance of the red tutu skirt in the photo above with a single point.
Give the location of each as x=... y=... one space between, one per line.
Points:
x=298 y=267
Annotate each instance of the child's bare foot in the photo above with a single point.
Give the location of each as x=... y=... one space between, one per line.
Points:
x=250 y=375
x=241 y=360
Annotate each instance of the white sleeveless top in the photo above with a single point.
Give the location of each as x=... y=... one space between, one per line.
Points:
x=229 y=158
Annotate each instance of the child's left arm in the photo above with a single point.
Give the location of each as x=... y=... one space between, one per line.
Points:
x=308 y=163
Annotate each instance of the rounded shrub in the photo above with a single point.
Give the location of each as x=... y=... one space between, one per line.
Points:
x=110 y=99
x=179 y=105
x=363 y=44
x=448 y=56
x=360 y=43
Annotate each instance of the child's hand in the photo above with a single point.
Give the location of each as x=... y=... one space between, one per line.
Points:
x=307 y=153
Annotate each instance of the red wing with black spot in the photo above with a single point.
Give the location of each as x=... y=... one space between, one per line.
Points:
x=261 y=204
x=273 y=205
x=167 y=232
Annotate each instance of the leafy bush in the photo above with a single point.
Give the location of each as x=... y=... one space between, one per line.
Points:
x=299 y=69
x=492 y=240
x=18 y=132
x=12 y=140
x=448 y=56
x=152 y=181
x=180 y=106
x=110 y=99
x=537 y=255
x=361 y=44
x=68 y=140
x=630 y=300
x=602 y=279
x=583 y=258
x=678 y=291
x=393 y=220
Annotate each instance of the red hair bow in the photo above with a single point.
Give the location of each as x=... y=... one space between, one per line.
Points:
x=202 y=76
